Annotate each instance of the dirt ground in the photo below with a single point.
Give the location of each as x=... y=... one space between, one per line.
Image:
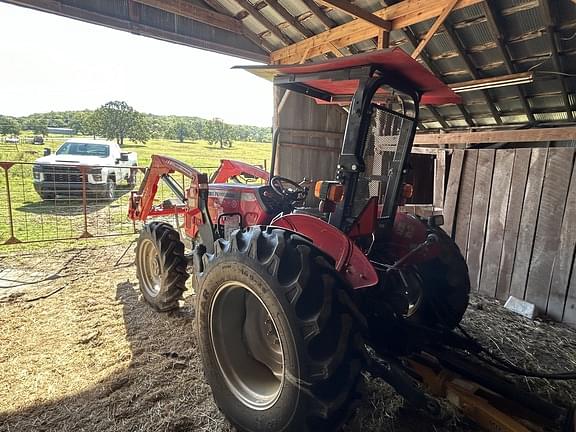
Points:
x=82 y=352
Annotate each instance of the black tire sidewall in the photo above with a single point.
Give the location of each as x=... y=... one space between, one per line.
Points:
x=160 y=301
x=446 y=285
x=243 y=269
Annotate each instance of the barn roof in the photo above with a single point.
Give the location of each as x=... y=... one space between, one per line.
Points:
x=477 y=40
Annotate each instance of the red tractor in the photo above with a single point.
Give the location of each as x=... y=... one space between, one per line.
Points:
x=293 y=302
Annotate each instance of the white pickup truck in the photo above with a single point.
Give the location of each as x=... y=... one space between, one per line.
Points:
x=104 y=162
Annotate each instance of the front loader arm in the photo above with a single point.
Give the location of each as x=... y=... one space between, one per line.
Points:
x=141 y=205
x=231 y=168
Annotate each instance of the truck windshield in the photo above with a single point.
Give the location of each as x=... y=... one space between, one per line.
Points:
x=84 y=149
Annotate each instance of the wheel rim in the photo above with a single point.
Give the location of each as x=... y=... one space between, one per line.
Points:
x=110 y=190
x=150 y=268
x=411 y=290
x=245 y=341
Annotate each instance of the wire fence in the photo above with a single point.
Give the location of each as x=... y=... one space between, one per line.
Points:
x=66 y=202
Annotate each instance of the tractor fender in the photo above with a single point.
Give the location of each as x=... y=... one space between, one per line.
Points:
x=350 y=261
x=408 y=233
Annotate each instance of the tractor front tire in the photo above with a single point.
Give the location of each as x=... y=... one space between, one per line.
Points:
x=280 y=348
x=161 y=266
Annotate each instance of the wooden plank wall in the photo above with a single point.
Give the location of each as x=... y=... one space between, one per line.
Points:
x=310 y=139
x=512 y=212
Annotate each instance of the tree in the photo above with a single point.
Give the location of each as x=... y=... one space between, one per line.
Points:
x=179 y=130
x=90 y=123
x=39 y=127
x=118 y=120
x=219 y=132
x=9 y=126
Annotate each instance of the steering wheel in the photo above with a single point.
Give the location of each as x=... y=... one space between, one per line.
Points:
x=288 y=189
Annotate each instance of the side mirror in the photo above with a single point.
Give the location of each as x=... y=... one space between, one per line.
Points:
x=47 y=151
x=124 y=157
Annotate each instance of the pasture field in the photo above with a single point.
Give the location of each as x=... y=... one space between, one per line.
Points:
x=35 y=220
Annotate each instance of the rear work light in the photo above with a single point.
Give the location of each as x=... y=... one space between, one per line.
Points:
x=329 y=191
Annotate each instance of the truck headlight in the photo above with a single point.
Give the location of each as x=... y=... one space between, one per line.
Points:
x=37 y=172
x=96 y=174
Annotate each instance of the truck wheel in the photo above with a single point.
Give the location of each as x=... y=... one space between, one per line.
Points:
x=279 y=345
x=132 y=178
x=47 y=196
x=161 y=266
x=110 y=191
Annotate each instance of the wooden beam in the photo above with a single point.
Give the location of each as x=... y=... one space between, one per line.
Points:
x=437 y=116
x=251 y=9
x=281 y=10
x=451 y=33
x=488 y=137
x=125 y=24
x=358 y=12
x=428 y=62
x=319 y=13
x=432 y=31
x=383 y=39
x=550 y=36
x=336 y=51
x=403 y=14
x=498 y=32
x=196 y=13
x=215 y=4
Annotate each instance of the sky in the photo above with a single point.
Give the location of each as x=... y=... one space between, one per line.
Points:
x=51 y=63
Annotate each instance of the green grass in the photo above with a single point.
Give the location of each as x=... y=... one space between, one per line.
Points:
x=35 y=220
x=200 y=153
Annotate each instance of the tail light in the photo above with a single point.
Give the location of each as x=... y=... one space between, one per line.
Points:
x=329 y=191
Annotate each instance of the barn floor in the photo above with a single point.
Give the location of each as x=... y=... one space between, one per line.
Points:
x=81 y=352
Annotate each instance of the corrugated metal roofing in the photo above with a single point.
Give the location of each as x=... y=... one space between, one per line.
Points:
x=522 y=29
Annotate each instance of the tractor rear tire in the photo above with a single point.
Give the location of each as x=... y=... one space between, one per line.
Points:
x=446 y=285
x=443 y=284
x=161 y=266
x=280 y=347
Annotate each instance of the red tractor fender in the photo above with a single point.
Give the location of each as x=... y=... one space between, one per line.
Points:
x=349 y=258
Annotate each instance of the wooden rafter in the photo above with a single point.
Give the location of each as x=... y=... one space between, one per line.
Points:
x=434 y=28
x=133 y=26
x=383 y=39
x=430 y=64
x=401 y=15
x=252 y=10
x=471 y=69
x=196 y=13
x=281 y=10
x=358 y=12
x=490 y=137
x=498 y=31
x=550 y=35
x=319 y=13
x=214 y=4
x=438 y=117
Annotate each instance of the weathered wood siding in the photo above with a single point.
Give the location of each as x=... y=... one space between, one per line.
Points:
x=310 y=137
x=513 y=214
